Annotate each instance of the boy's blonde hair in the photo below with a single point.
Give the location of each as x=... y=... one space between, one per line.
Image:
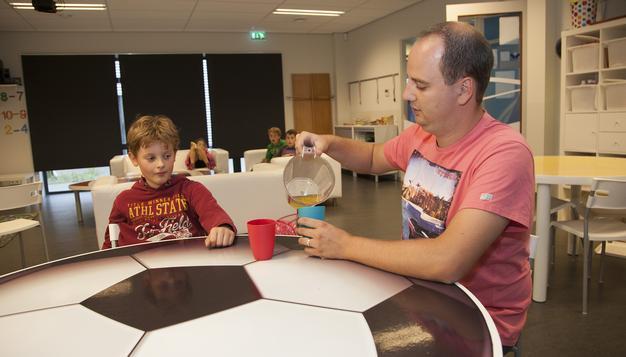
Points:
x=274 y=130
x=148 y=129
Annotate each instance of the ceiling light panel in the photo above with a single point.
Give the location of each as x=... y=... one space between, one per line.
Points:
x=62 y=6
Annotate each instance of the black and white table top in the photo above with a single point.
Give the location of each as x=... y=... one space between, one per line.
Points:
x=178 y=298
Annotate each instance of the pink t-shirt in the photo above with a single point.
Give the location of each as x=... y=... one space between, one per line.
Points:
x=491 y=169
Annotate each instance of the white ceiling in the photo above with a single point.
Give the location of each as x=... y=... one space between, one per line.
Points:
x=201 y=15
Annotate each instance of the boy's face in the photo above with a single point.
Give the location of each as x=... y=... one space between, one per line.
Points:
x=156 y=162
x=291 y=140
x=274 y=138
x=201 y=144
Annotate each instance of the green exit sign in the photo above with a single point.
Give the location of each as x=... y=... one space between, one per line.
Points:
x=257 y=35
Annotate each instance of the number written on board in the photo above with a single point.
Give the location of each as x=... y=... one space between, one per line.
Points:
x=8 y=115
x=8 y=129
x=4 y=96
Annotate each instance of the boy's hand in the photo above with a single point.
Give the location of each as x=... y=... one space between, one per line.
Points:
x=219 y=237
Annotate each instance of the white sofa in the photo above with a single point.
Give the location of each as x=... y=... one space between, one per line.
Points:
x=243 y=195
x=279 y=163
x=121 y=166
x=253 y=157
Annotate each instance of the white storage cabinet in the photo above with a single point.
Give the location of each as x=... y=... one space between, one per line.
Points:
x=593 y=90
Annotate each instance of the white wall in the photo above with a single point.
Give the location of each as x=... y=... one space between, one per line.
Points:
x=376 y=49
x=300 y=54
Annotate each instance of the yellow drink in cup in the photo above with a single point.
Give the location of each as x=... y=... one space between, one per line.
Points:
x=308 y=179
x=304 y=201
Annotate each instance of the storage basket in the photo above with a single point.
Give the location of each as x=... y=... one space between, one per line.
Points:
x=583 y=12
x=615 y=96
x=583 y=99
x=617 y=53
x=585 y=58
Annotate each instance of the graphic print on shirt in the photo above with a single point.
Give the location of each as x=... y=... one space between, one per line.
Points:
x=163 y=217
x=427 y=193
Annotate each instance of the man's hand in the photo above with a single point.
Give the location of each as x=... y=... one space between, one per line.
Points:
x=323 y=239
x=219 y=237
x=320 y=142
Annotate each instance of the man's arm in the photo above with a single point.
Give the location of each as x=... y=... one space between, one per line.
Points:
x=352 y=154
x=447 y=258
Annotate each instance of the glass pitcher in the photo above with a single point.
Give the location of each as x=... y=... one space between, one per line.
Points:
x=308 y=179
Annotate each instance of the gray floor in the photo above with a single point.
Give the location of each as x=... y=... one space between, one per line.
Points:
x=554 y=328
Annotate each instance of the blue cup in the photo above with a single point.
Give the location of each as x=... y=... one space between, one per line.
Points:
x=316 y=212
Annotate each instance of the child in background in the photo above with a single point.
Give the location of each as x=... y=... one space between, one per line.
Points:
x=290 y=147
x=276 y=144
x=199 y=156
x=161 y=206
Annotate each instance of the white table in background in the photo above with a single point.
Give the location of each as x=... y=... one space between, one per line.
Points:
x=77 y=188
x=563 y=170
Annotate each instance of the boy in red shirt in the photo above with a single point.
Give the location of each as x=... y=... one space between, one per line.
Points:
x=161 y=206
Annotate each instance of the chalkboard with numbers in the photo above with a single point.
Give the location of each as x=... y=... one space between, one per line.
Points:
x=13 y=111
x=14 y=131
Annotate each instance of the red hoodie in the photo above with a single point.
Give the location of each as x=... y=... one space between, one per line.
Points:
x=180 y=208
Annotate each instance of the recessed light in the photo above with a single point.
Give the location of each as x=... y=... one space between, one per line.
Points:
x=61 y=6
x=304 y=12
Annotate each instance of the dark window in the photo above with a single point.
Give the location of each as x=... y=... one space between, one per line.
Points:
x=170 y=85
x=246 y=100
x=72 y=108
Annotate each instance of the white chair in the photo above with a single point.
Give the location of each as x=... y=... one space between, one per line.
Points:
x=253 y=157
x=602 y=221
x=121 y=166
x=556 y=204
x=20 y=196
x=243 y=195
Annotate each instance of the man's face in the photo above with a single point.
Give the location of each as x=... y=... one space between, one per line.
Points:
x=431 y=99
x=156 y=162
x=274 y=138
x=291 y=140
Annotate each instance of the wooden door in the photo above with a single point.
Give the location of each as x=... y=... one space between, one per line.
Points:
x=311 y=102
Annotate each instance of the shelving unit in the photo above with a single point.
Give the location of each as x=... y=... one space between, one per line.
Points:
x=593 y=90
x=593 y=99
x=369 y=133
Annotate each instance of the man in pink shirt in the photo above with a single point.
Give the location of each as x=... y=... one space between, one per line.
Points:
x=468 y=191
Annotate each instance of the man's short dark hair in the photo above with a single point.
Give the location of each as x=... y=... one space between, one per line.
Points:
x=466 y=53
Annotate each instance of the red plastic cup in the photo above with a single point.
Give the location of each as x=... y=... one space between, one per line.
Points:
x=262 y=234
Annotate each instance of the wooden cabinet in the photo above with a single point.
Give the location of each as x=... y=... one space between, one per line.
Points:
x=312 y=110
x=593 y=89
